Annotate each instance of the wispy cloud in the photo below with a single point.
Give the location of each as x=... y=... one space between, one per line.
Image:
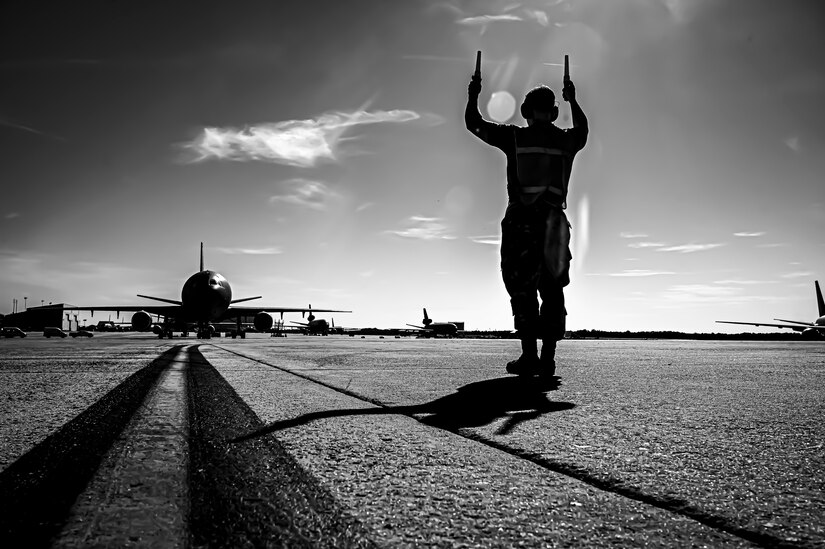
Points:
x=645 y=245
x=640 y=272
x=700 y=293
x=11 y=215
x=423 y=228
x=4 y=122
x=744 y=282
x=625 y=234
x=482 y=20
x=798 y=274
x=491 y=240
x=364 y=206
x=52 y=274
x=301 y=143
x=306 y=193
x=749 y=235
x=538 y=16
x=690 y=248
x=251 y=251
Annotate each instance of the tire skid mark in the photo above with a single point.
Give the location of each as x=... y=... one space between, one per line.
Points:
x=39 y=489
x=255 y=495
x=139 y=495
x=670 y=503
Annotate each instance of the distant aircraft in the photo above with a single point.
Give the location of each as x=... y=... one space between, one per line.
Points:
x=314 y=326
x=206 y=298
x=808 y=329
x=435 y=329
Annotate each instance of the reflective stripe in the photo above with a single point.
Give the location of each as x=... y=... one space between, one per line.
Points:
x=531 y=192
x=554 y=190
x=539 y=150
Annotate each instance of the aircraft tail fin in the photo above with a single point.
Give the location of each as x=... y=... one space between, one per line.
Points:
x=819 y=301
x=201 y=257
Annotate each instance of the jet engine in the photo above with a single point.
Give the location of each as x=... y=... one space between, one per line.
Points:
x=141 y=321
x=263 y=322
x=811 y=333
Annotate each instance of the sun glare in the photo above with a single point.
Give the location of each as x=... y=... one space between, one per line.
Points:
x=502 y=106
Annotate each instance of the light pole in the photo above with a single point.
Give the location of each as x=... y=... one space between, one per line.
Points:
x=25 y=307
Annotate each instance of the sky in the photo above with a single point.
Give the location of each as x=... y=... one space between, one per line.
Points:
x=318 y=149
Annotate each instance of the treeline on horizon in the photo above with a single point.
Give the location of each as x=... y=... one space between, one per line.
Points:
x=658 y=334
x=666 y=334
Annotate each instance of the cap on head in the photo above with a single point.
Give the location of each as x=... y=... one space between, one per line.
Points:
x=542 y=99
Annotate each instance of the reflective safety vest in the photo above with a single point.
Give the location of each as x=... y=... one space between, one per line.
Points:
x=543 y=171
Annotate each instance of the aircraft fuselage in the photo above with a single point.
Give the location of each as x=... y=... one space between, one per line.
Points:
x=206 y=296
x=814 y=333
x=436 y=329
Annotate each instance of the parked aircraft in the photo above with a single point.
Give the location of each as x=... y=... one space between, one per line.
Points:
x=206 y=298
x=808 y=329
x=314 y=326
x=435 y=329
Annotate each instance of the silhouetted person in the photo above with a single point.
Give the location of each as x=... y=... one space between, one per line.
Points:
x=535 y=233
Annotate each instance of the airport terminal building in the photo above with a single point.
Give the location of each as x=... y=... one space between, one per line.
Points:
x=36 y=318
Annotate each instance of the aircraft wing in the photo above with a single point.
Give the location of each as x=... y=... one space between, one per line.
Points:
x=162 y=310
x=808 y=324
x=797 y=328
x=234 y=312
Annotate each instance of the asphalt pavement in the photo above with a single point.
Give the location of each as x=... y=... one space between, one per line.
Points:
x=350 y=442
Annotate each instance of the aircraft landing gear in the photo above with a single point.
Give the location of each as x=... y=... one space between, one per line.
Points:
x=204 y=331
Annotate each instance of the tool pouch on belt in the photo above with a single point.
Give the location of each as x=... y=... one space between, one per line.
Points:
x=540 y=228
x=557 y=246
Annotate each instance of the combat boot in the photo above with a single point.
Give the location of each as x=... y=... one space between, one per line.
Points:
x=524 y=365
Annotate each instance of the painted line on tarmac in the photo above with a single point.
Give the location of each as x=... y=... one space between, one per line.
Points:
x=40 y=488
x=139 y=495
x=672 y=504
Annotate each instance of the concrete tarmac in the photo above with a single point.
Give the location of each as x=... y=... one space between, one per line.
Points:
x=126 y=440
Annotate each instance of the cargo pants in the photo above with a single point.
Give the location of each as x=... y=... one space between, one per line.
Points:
x=535 y=259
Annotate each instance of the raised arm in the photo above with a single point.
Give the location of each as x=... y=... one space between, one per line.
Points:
x=472 y=116
x=489 y=132
x=579 y=119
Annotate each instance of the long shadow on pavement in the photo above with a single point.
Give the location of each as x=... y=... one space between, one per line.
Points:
x=473 y=405
x=519 y=400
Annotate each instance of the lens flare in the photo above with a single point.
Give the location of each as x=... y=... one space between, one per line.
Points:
x=581 y=236
x=501 y=106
